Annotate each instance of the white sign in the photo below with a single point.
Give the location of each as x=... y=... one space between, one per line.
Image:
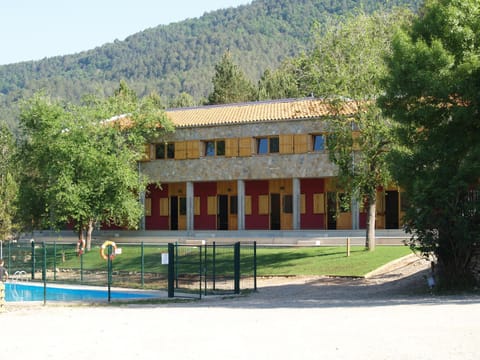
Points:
x=164 y=258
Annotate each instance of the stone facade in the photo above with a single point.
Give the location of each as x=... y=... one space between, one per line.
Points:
x=268 y=166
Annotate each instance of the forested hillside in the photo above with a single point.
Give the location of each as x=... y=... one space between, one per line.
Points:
x=180 y=57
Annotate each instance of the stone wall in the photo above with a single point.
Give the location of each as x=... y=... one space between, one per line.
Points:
x=276 y=166
x=265 y=166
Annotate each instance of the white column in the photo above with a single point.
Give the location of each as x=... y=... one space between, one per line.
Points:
x=241 y=204
x=190 y=206
x=296 y=204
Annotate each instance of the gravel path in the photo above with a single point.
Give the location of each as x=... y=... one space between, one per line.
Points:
x=388 y=315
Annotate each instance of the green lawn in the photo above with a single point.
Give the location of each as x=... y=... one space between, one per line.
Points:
x=271 y=261
x=325 y=260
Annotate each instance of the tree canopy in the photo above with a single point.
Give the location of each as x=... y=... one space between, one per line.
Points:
x=8 y=185
x=79 y=162
x=433 y=92
x=230 y=85
x=180 y=57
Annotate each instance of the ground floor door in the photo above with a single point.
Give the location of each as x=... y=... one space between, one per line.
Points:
x=173 y=213
x=275 y=211
x=222 y=212
x=391 y=210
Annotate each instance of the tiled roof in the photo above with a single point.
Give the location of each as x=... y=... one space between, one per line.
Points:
x=256 y=112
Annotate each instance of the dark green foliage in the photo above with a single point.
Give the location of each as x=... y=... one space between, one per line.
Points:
x=230 y=84
x=433 y=93
x=180 y=57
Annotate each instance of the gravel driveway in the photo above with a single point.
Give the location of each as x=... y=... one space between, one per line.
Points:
x=389 y=315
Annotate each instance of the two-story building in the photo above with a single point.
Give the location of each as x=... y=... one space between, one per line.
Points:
x=252 y=166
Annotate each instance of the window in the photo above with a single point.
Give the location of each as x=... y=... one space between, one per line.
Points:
x=288 y=204
x=318 y=142
x=215 y=148
x=183 y=206
x=267 y=145
x=165 y=151
x=233 y=204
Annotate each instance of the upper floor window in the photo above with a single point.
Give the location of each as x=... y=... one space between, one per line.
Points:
x=318 y=142
x=165 y=151
x=215 y=148
x=267 y=145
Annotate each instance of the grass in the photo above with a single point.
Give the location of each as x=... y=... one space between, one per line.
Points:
x=325 y=260
x=271 y=261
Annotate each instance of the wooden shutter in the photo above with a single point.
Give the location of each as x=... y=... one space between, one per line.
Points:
x=164 y=207
x=147 y=156
x=286 y=144
x=245 y=146
x=193 y=149
x=248 y=205
x=212 y=205
x=300 y=143
x=263 y=205
x=231 y=147
x=180 y=150
x=196 y=205
x=318 y=204
x=303 y=209
x=148 y=206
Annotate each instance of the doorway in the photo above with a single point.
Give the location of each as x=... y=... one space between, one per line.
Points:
x=222 y=215
x=173 y=213
x=391 y=210
x=274 y=211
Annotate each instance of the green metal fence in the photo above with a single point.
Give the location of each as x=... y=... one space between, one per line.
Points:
x=192 y=270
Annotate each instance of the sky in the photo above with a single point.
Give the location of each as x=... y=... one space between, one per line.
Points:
x=36 y=29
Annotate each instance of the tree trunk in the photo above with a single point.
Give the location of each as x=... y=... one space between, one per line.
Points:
x=372 y=209
x=89 y=234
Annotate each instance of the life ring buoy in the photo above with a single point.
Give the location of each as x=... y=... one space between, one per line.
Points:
x=104 y=246
x=80 y=247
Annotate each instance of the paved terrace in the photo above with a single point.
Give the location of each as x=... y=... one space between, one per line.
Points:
x=292 y=238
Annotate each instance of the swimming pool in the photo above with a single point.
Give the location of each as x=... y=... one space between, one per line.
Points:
x=35 y=292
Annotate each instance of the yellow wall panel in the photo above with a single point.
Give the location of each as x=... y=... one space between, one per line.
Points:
x=164 y=208
x=180 y=150
x=193 y=149
x=286 y=144
x=212 y=205
x=231 y=147
x=263 y=205
x=300 y=143
x=245 y=146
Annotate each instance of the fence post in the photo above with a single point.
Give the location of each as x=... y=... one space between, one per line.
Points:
x=236 y=267
x=33 y=259
x=109 y=270
x=348 y=246
x=142 y=270
x=44 y=273
x=205 y=272
x=255 y=266
x=81 y=267
x=55 y=261
x=171 y=270
x=214 y=266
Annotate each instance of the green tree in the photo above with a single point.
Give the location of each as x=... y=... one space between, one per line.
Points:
x=8 y=185
x=230 y=85
x=433 y=92
x=346 y=68
x=80 y=161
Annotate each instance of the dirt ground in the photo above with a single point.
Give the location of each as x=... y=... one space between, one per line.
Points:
x=388 y=315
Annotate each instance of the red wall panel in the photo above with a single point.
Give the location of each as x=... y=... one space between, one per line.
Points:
x=309 y=220
x=155 y=221
x=255 y=221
